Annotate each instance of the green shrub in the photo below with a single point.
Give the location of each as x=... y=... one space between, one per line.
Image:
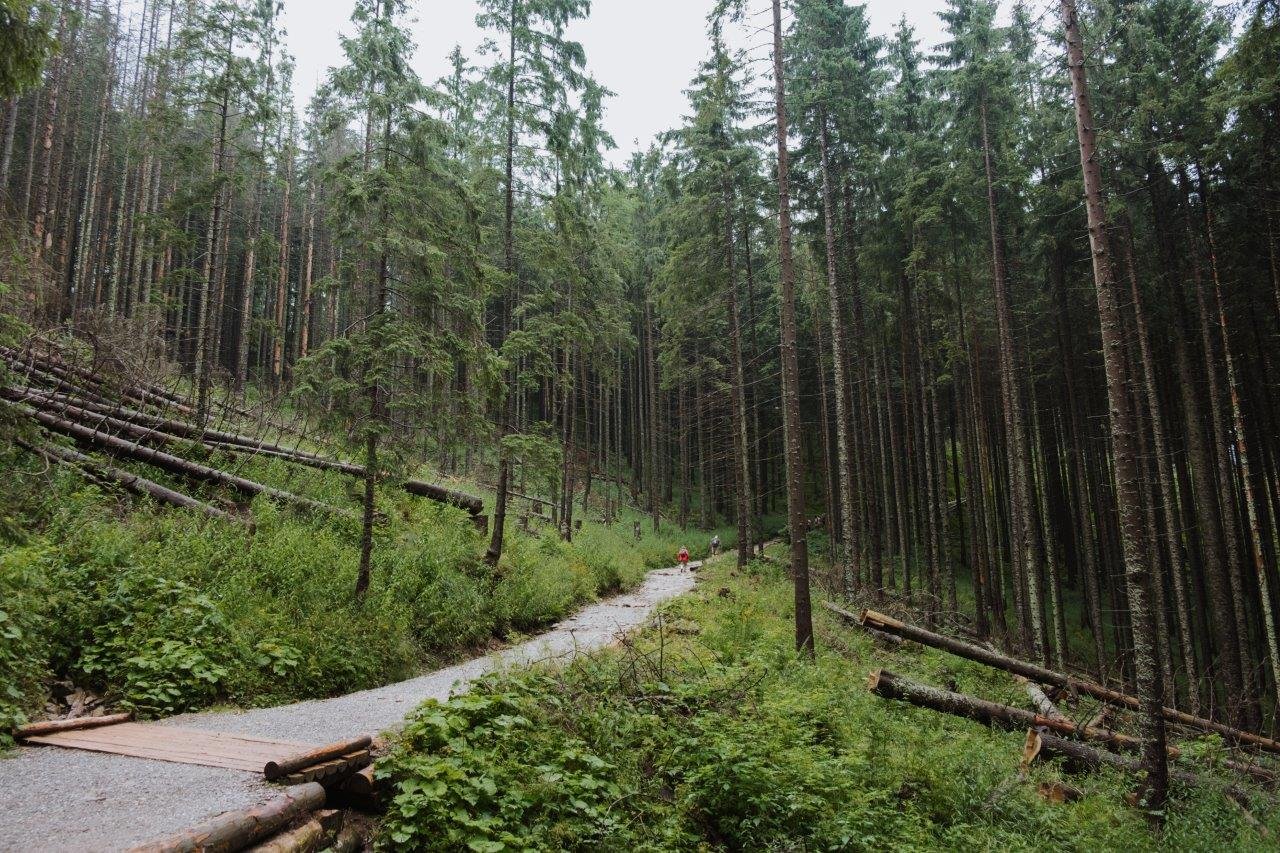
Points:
x=23 y=627
x=719 y=737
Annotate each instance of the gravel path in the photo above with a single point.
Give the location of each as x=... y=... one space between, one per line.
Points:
x=64 y=799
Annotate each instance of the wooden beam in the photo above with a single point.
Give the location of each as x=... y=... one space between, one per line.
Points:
x=279 y=769
x=50 y=727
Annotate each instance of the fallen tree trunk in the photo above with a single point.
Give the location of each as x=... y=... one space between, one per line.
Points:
x=239 y=829
x=1038 y=698
x=184 y=429
x=892 y=686
x=79 y=376
x=470 y=503
x=852 y=619
x=1081 y=757
x=174 y=464
x=129 y=480
x=303 y=838
x=142 y=425
x=94 y=418
x=51 y=727
x=275 y=769
x=991 y=658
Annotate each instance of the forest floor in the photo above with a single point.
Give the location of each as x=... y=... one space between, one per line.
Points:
x=62 y=799
x=705 y=731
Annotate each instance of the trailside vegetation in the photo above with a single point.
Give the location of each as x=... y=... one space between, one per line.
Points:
x=992 y=322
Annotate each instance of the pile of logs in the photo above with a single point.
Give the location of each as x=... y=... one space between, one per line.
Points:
x=145 y=423
x=1049 y=732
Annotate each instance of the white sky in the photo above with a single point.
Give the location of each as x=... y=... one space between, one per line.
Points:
x=645 y=51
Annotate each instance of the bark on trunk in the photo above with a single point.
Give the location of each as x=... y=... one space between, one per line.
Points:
x=1129 y=499
x=790 y=362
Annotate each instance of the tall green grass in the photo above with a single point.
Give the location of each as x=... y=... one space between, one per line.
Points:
x=707 y=732
x=165 y=611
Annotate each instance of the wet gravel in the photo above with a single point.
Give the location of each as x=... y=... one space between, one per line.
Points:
x=63 y=799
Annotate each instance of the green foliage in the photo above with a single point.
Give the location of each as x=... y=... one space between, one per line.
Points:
x=163 y=612
x=709 y=733
x=22 y=630
x=26 y=43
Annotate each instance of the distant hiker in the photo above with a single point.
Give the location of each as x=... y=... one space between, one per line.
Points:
x=635 y=529
x=683 y=557
x=715 y=545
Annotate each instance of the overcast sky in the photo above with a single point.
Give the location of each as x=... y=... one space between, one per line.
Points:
x=645 y=51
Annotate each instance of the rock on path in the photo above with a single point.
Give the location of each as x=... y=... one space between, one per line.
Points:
x=66 y=800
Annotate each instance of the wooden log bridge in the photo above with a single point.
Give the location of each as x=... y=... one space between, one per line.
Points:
x=289 y=761
x=969 y=651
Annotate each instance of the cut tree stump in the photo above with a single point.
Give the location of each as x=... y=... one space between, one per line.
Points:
x=960 y=648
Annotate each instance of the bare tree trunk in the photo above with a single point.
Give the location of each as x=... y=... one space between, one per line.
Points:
x=6 y=150
x=740 y=439
x=839 y=355
x=1242 y=451
x=306 y=297
x=494 y=553
x=1164 y=474
x=1154 y=759
x=796 y=520
x=1021 y=521
x=282 y=275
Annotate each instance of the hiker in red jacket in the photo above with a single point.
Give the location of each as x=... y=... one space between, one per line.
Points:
x=683 y=557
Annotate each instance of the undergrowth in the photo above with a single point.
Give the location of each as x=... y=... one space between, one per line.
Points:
x=707 y=732
x=164 y=611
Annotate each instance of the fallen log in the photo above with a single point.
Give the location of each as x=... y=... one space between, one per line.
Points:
x=1038 y=698
x=852 y=619
x=361 y=782
x=130 y=481
x=144 y=426
x=1082 y=758
x=207 y=435
x=237 y=830
x=174 y=464
x=470 y=503
x=78 y=376
x=991 y=658
x=301 y=839
x=275 y=769
x=892 y=686
x=50 y=727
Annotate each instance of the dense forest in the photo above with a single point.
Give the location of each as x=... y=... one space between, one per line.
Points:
x=990 y=328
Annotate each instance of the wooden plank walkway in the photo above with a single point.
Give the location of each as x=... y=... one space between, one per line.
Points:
x=184 y=746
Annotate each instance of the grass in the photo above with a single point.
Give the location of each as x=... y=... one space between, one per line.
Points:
x=162 y=611
x=707 y=732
